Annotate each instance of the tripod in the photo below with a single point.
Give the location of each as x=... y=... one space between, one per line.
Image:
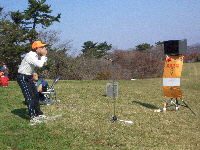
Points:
x=176 y=103
x=114 y=118
x=114 y=97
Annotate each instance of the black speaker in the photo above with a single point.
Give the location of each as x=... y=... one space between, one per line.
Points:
x=175 y=47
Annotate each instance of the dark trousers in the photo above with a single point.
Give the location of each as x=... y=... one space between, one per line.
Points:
x=30 y=94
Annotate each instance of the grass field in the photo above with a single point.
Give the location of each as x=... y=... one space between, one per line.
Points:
x=86 y=124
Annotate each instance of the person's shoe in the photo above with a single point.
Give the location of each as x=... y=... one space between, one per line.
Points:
x=40 y=117
x=38 y=112
x=35 y=120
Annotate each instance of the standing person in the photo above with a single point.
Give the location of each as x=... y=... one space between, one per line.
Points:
x=25 y=81
x=5 y=70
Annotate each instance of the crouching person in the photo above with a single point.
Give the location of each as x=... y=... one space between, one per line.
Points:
x=3 y=79
x=41 y=86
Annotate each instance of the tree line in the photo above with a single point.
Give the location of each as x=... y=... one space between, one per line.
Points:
x=18 y=30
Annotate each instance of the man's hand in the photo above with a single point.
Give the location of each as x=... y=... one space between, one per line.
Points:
x=44 y=51
x=39 y=88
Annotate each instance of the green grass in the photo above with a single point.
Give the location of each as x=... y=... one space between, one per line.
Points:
x=86 y=126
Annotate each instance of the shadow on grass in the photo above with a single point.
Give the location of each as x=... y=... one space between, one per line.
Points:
x=22 y=112
x=145 y=105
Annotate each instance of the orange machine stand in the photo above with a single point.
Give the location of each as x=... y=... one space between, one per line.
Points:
x=171 y=77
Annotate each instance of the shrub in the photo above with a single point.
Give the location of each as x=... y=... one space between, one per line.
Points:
x=141 y=65
x=191 y=57
x=73 y=76
x=127 y=65
x=198 y=58
x=105 y=75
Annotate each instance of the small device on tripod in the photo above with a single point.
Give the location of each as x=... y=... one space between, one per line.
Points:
x=114 y=94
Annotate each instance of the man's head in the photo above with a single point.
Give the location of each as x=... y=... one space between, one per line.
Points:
x=35 y=76
x=39 y=47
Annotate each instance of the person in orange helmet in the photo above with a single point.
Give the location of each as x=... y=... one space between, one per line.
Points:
x=25 y=81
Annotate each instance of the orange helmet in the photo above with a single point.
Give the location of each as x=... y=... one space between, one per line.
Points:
x=37 y=44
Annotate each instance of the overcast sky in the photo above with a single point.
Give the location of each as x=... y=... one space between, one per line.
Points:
x=122 y=23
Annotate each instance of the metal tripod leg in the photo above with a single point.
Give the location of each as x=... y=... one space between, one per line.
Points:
x=114 y=117
x=170 y=101
x=114 y=98
x=187 y=106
